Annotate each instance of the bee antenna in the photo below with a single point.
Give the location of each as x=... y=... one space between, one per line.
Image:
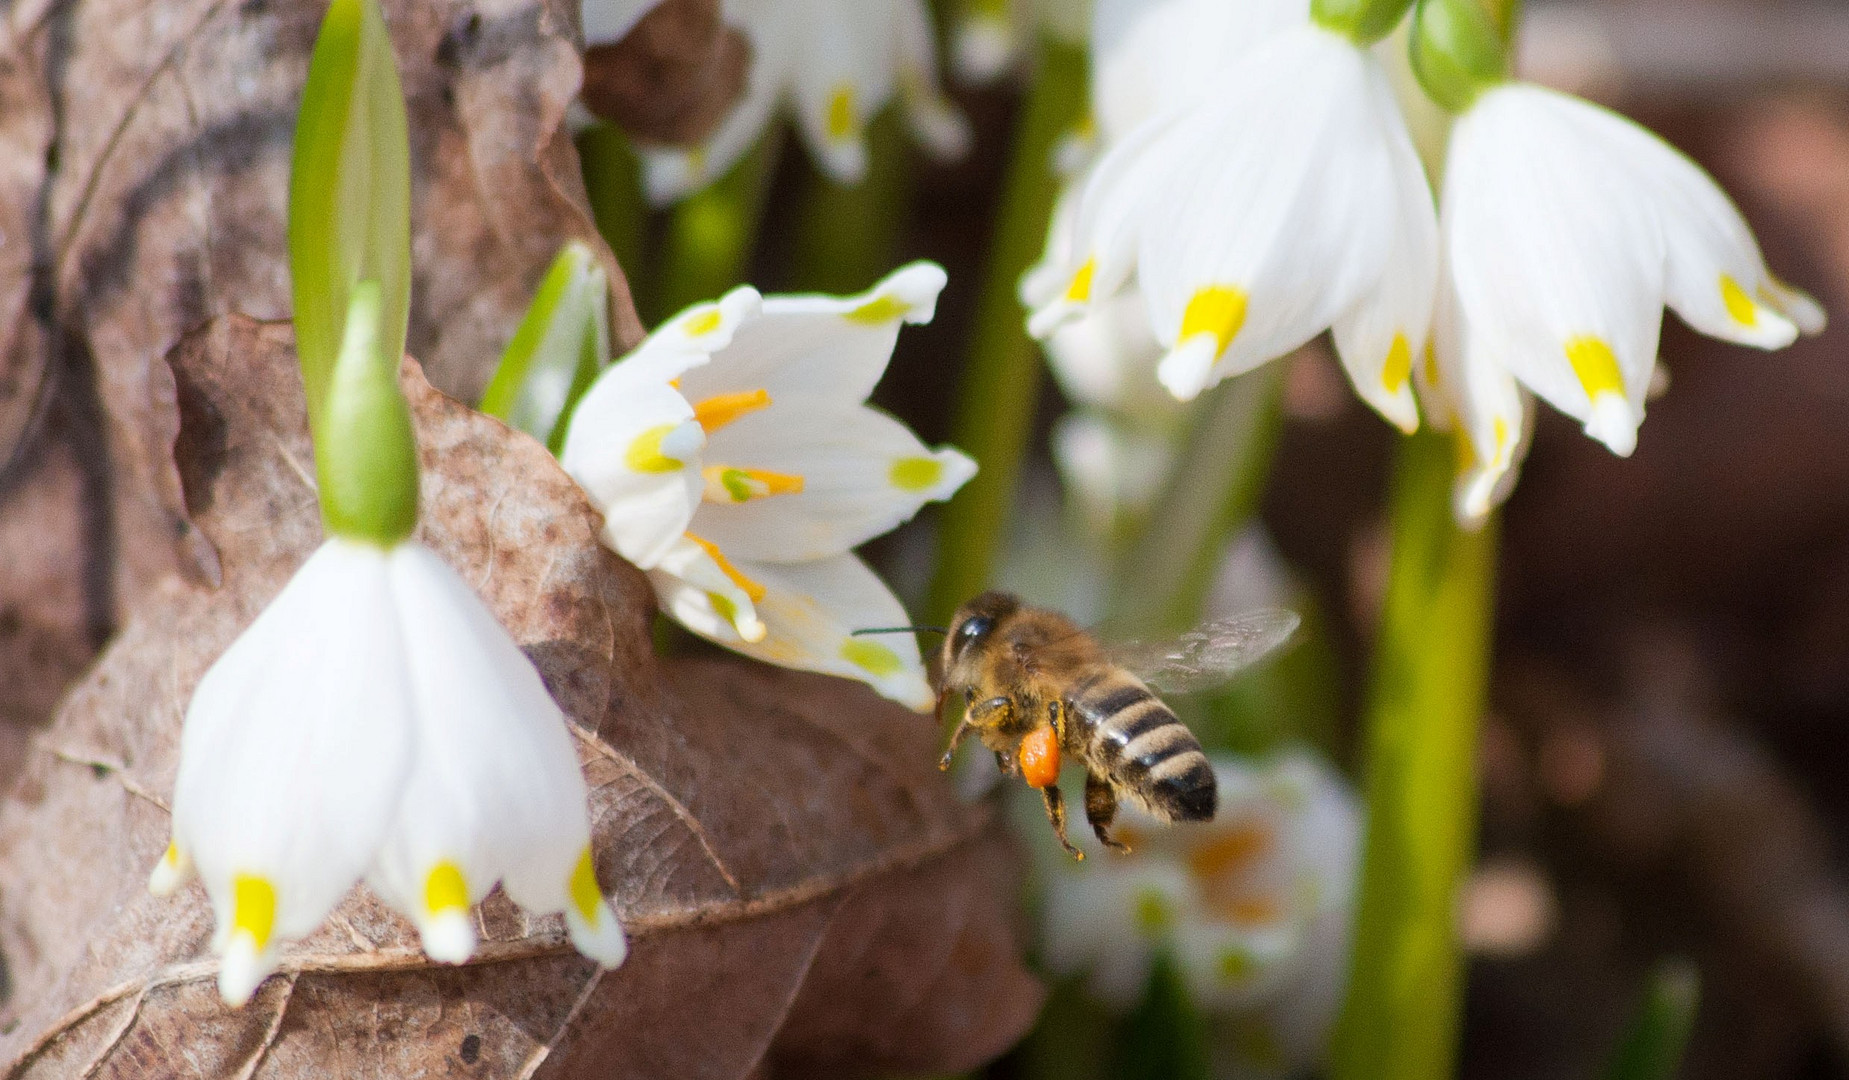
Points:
x=901 y=630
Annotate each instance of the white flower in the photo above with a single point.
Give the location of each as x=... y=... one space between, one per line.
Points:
x=735 y=459
x=838 y=62
x=1150 y=56
x=992 y=36
x=1283 y=199
x=1253 y=906
x=375 y=720
x=1566 y=229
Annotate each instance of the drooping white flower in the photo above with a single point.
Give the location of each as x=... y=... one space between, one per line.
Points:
x=1282 y=199
x=1253 y=906
x=1566 y=230
x=376 y=721
x=736 y=460
x=837 y=63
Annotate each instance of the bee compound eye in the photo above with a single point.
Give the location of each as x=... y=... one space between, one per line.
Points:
x=974 y=629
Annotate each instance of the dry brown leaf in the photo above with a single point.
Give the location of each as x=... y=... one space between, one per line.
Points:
x=144 y=155
x=673 y=77
x=801 y=885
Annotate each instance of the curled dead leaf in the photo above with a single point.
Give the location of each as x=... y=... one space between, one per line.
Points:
x=802 y=888
x=673 y=77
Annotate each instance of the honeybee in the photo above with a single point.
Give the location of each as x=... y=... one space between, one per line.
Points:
x=1038 y=688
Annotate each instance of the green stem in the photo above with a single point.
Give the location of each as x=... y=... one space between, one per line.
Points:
x=1001 y=384
x=1400 y=1018
x=847 y=236
x=711 y=233
x=1162 y=582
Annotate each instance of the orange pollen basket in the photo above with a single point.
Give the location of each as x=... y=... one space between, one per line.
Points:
x=1040 y=757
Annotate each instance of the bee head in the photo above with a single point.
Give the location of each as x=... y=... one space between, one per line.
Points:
x=971 y=627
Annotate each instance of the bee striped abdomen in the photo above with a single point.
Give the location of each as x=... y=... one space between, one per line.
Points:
x=1141 y=745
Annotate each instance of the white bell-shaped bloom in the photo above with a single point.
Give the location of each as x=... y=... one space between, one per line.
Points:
x=735 y=459
x=837 y=63
x=1567 y=229
x=1253 y=906
x=376 y=721
x=1284 y=199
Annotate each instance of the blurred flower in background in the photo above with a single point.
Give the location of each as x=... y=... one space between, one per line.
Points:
x=836 y=63
x=1252 y=908
x=990 y=37
x=735 y=460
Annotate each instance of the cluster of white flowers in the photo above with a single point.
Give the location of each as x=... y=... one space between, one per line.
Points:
x=836 y=62
x=1257 y=185
x=1253 y=907
x=736 y=460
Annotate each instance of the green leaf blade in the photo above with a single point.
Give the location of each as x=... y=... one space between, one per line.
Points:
x=560 y=345
x=349 y=192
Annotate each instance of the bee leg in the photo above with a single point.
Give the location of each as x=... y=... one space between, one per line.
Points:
x=1056 y=813
x=956 y=737
x=1004 y=760
x=985 y=713
x=1100 y=809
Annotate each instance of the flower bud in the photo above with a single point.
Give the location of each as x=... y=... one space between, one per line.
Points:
x=365 y=450
x=1461 y=48
x=1361 y=21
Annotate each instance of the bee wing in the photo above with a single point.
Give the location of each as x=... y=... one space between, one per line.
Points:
x=1210 y=653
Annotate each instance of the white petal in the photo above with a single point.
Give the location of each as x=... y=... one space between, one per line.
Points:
x=1092 y=253
x=984 y=46
x=634 y=445
x=1046 y=279
x=1152 y=56
x=1558 y=260
x=1717 y=279
x=1108 y=357
x=495 y=793
x=695 y=590
x=833 y=346
x=1227 y=966
x=811 y=610
x=174 y=869
x=937 y=124
x=1109 y=916
x=1112 y=470
x=844 y=75
x=293 y=755
x=1480 y=399
x=1279 y=211
x=589 y=918
x=1381 y=338
x=861 y=474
